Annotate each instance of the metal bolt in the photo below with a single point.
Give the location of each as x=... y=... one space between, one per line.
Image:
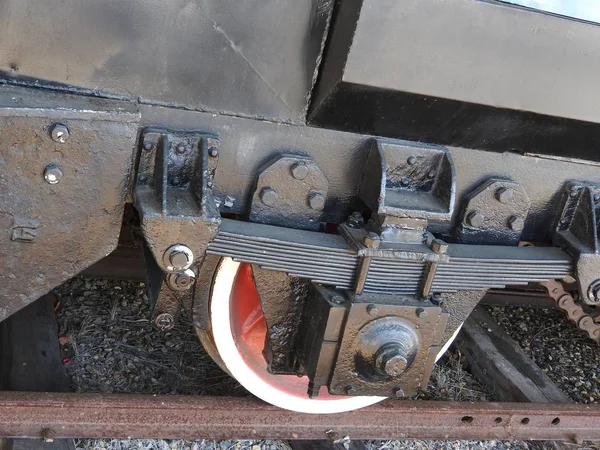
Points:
x=516 y=223
x=504 y=195
x=48 y=435
x=372 y=240
x=213 y=152
x=398 y=392
x=148 y=145
x=405 y=181
x=411 y=160
x=52 y=174
x=337 y=299
x=228 y=202
x=431 y=174
x=355 y=220
x=437 y=299
x=269 y=196
x=372 y=310
x=390 y=360
x=475 y=219
x=181 y=281
x=177 y=258
x=439 y=246
x=164 y=321
x=597 y=197
x=181 y=148
x=59 y=133
x=574 y=192
x=299 y=171
x=350 y=390
x=421 y=313
x=316 y=200
x=142 y=177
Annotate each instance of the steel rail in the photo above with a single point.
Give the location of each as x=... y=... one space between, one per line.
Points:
x=29 y=414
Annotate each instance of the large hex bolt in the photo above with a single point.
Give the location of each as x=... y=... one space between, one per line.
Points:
x=59 y=133
x=52 y=174
x=355 y=220
x=178 y=258
x=269 y=196
x=516 y=223
x=475 y=219
x=504 y=194
x=316 y=200
x=299 y=171
x=391 y=359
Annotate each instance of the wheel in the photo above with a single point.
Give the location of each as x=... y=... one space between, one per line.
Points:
x=236 y=342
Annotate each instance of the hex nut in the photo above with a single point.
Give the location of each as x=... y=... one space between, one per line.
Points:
x=52 y=174
x=355 y=220
x=299 y=171
x=439 y=246
x=372 y=240
x=59 y=133
x=316 y=200
x=269 y=196
x=391 y=361
x=504 y=194
x=177 y=258
x=516 y=223
x=475 y=219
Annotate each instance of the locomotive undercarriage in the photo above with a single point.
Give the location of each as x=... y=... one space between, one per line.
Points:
x=324 y=270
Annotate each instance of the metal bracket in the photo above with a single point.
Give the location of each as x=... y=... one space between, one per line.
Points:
x=290 y=192
x=173 y=193
x=495 y=213
x=577 y=231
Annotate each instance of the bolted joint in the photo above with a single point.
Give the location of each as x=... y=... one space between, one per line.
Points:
x=59 y=133
x=372 y=240
x=269 y=196
x=299 y=171
x=475 y=219
x=316 y=200
x=391 y=360
x=355 y=220
x=178 y=258
x=504 y=194
x=181 y=281
x=516 y=223
x=164 y=321
x=52 y=174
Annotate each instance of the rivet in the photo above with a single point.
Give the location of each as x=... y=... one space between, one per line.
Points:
x=411 y=160
x=181 y=148
x=213 y=152
x=405 y=181
x=372 y=310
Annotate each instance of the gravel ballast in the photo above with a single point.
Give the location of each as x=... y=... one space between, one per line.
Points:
x=109 y=345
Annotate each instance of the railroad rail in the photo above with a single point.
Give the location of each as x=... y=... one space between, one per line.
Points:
x=64 y=415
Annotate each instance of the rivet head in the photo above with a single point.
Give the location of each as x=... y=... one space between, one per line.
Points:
x=516 y=223
x=180 y=149
x=411 y=160
x=316 y=200
x=475 y=219
x=59 y=133
x=269 y=196
x=52 y=174
x=213 y=152
x=372 y=310
x=299 y=171
x=504 y=194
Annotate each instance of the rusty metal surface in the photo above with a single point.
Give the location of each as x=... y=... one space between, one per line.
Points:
x=54 y=227
x=121 y=416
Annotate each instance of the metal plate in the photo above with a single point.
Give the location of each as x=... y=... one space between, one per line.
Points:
x=51 y=232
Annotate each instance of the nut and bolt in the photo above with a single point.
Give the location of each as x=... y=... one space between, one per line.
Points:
x=59 y=133
x=516 y=223
x=355 y=220
x=421 y=313
x=338 y=299
x=177 y=258
x=213 y=152
x=299 y=171
x=411 y=160
x=181 y=148
x=269 y=196
x=372 y=310
x=475 y=219
x=372 y=240
x=164 y=321
x=181 y=281
x=504 y=194
x=390 y=360
x=437 y=299
x=52 y=174
x=316 y=200
x=350 y=390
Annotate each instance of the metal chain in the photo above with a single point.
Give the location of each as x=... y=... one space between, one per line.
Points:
x=574 y=312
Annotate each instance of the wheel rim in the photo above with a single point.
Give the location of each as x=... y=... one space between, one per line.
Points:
x=239 y=331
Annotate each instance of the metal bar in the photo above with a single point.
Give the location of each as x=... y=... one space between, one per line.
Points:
x=24 y=414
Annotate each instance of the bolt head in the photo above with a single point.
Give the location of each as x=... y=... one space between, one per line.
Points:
x=148 y=145
x=437 y=299
x=439 y=246
x=391 y=361
x=269 y=196
x=516 y=223
x=213 y=152
x=504 y=194
x=164 y=321
x=350 y=390
x=180 y=148
x=337 y=299
x=299 y=171
x=316 y=200
x=398 y=392
x=52 y=174
x=355 y=220
x=405 y=181
x=421 y=313
x=372 y=310
x=59 y=133
x=372 y=240
x=181 y=281
x=475 y=219
x=411 y=160
x=177 y=258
